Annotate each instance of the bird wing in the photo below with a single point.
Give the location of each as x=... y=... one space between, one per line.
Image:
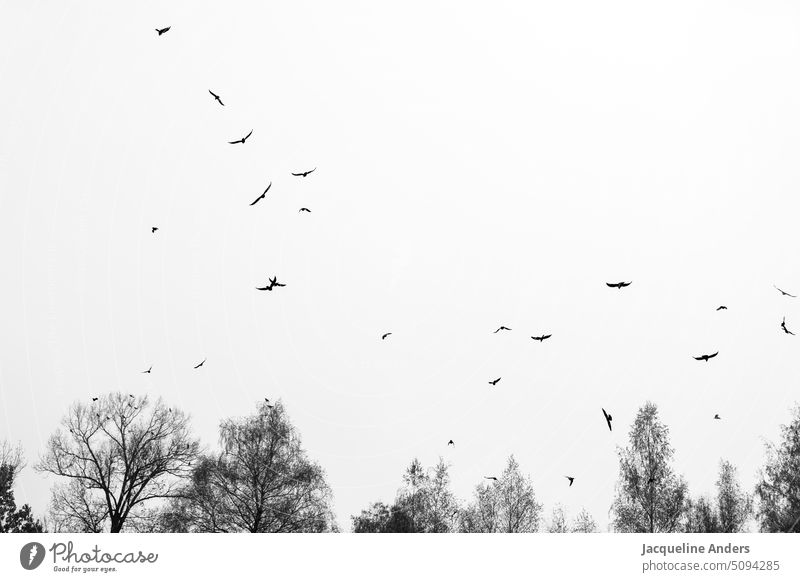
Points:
x=248 y=135
x=256 y=200
x=547 y=336
x=626 y=284
x=293 y=174
x=713 y=355
x=268 y=187
x=698 y=357
x=611 y=284
x=214 y=94
x=237 y=141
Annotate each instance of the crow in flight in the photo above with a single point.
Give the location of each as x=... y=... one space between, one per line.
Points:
x=200 y=364
x=216 y=97
x=273 y=282
x=540 y=338
x=783 y=292
x=706 y=357
x=94 y=399
x=244 y=139
x=303 y=174
x=263 y=194
x=502 y=328
x=571 y=479
x=494 y=382
x=607 y=417
x=721 y=307
x=450 y=442
x=619 y=285
x=783 y=327
x=491 y=478
x=153 y=229
x=147 y=371
x=161 y=31
x=304 y=209
x=387 y=334
x=716 y=417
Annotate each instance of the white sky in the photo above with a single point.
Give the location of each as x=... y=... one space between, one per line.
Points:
x=478 y=165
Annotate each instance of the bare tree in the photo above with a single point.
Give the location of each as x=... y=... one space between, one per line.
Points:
x=649 y=496
x=261 y=481
x=74 y=508
x=122 y=452
x=507 y=505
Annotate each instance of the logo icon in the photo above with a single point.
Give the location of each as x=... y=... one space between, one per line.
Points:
x=31 y=555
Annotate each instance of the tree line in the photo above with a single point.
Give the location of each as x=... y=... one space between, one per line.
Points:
x=125 y=463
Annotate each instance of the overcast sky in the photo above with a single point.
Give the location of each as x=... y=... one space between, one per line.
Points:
x=478 y=164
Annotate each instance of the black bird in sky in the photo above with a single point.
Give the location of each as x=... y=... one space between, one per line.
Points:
x=94 y=399
x=161 y=31
x=716 y=417
x=783 y=292
x=304 y=209
x=783 y=327
x=571 y=479
x=216 y=97
x=607 y=417
x=502 y=328
x=263 y=194
x=387 y=334
x=619 y=285
x=274 y=282
x=490 y=478
x=153 y=229
x=303 y=174
x=541 y=338
x=244 y=139
x=494 y=382
x=148 y=370
x=200 y=364
x=721 y=307
x=706 y=357
x=450 y=442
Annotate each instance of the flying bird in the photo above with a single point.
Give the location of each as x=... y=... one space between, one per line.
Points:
x=387 y=334
x=263 y=194
x=571 y=479
x=161 y=31
x=147 y=371
x=491 y=478
x=783 y=292
x=153 y=229
x=619 y=285
x=541 y=338
x=303 y=174
x=216 y=97
x=273 y=282
x=200 y=364
x=450 y=442
x=706 y=357
x=244 y=139
x=716 y=417
x=94 y=399
x=502 y=328
x=304 y=209
x=721 y=307
x=783 y=327
x=494 y=382
x=608 y=418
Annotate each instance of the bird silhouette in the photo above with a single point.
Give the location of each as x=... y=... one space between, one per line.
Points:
x=706 y=357
x=571 y=479
x=153 y=229
x=721 y=307
x=303 y=174
x=450 y=442
x=387 y=334
x=607 y=417
x=94 y=399
x=494 y=382
x=783 y=327
x=783 y=292
x=244 y=139
x=619 y=285
x=273 y=282
x=200 y=364
x=716 y=417
x=216 y=97
x=263 y=195
x=147 y=371
x=502 y=328
x=161 y=31
x=304 y=209
x=541 y=338
x=491 y=478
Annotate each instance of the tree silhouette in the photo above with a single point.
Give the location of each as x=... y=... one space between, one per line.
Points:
x=13 y=519
x=122 y=452
x=649 y=496
x=778 y=488
x=260 y=481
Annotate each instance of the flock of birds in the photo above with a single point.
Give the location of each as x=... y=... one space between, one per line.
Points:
x=273 y=284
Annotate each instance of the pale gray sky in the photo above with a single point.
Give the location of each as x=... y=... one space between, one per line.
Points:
x=478 y=165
